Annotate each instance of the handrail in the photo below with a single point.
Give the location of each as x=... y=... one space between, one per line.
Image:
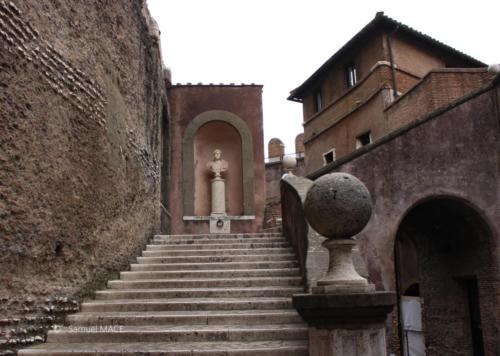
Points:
x=306 y=243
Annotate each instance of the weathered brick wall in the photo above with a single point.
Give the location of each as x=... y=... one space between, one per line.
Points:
x=342 y=134
x=437 y=89
x=82 y=96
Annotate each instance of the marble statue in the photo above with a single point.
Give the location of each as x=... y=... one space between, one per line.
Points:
x=217 y=165
x=218 y=216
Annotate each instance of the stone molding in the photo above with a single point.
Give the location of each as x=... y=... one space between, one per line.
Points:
x=355 y=310
x=246 y=157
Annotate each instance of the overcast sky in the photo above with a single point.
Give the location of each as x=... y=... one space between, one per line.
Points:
x=280 y=43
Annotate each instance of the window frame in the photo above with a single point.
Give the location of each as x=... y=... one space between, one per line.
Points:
x=351 y=75
x=359 y=141
x=334 y=156
x=318 y=103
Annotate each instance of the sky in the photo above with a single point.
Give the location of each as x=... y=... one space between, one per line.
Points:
x=280 y=43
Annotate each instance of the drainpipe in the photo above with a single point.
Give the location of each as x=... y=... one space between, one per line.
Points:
x=391 y=58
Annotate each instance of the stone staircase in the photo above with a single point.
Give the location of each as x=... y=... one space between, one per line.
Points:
x=193 y=295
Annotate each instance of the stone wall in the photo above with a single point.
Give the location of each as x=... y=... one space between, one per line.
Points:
x=82 y=102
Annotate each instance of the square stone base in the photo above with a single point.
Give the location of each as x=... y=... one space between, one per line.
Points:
x=220 y=224
x=344 y=288
x=347 y=342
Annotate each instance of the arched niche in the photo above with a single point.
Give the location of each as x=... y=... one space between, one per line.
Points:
x=188 y=158
x=217 y=135
x=275 y=148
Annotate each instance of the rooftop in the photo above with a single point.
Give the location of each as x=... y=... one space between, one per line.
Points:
x=380 y=21
x=199 y=84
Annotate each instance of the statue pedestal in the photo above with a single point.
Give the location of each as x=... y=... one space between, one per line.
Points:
x=218 y=196
x=219 y=223
x=341 y=277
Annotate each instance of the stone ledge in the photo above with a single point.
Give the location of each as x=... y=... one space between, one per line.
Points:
x=356 y=310
x=227 y=217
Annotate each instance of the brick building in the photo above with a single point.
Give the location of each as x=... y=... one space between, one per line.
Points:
x=363 y=91
x=417 y=121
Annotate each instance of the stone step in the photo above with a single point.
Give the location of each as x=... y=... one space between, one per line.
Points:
x=217 y=236
x=224 y=273
x=187 y=317
x=217 y=241
x=177 y=333
x=214 y=348
x=227 y=294
x=212 y=266
x=198 y=293
x=217 y=252
x=239 y=245
x=206 y=282
x=186 y=304
x=225 y=258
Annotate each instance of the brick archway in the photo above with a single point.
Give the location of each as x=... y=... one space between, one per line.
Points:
x=443 y=263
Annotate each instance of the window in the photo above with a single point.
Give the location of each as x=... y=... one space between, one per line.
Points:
x=318 y=101
x=364 y=139
x=329 y=157
x=352 y=78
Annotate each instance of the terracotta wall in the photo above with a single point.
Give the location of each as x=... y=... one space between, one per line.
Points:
x=342 y=135
x=381 y=115
x=418 y=58
x=187 y=102
x=351 y=100
x=413 y=60
x=334 y=82
x=436 y=89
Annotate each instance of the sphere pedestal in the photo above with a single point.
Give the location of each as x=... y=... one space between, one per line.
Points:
x=346 y=316
x=341 y=277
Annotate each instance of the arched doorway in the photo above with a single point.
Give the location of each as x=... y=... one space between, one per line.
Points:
x=443 y=271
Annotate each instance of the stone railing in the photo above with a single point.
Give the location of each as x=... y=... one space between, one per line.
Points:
x=313 y=258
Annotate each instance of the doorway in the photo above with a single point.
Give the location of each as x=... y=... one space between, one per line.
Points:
x=442 y=257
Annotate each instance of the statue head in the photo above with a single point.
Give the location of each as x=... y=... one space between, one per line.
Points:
x=217 y=154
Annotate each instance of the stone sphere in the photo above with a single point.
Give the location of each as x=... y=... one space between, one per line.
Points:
x=289 y=162
x=338 y=205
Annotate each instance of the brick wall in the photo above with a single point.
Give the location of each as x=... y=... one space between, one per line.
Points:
x=437 y=89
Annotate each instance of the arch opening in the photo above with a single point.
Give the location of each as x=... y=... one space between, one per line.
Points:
x=443 y=269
